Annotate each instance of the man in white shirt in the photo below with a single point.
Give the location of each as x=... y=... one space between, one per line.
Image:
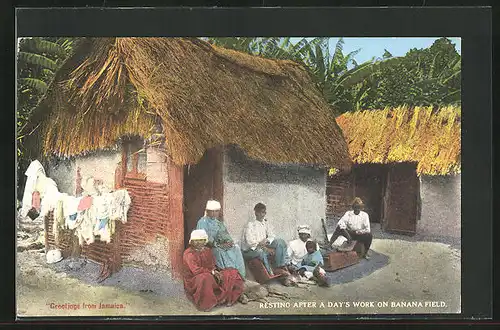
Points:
x=259 y=241
x=355 y=225
x=297 y=248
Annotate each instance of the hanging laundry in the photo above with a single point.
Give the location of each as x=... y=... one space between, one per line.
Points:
x=112 y=227
x=120 y=205
x=34 y=170
x=85 y=203
x=105 y=234
x=103 y=223
x=59 y=211
x=70 y=209
x=85 y=230
x=49 y=194
x=102 y=204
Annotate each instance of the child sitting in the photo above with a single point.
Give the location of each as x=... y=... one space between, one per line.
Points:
x=311 y=265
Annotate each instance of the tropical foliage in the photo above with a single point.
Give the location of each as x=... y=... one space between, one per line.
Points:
x=37 y=61
x=423 y=77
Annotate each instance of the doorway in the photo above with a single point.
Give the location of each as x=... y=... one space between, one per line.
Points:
x=369 y=186
x=202 y=181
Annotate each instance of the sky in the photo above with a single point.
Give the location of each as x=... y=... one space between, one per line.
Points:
x=374 y=47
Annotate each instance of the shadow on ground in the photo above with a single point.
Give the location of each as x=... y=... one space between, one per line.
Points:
x=160 y=282
x=128 y=278
x=359 y=270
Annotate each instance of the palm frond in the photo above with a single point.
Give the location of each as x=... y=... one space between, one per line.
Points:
x=36 y=84
x=38 y=46
x=37 y=60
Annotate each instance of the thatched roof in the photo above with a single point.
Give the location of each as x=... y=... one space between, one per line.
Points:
x=197 y=95
x=429 y=137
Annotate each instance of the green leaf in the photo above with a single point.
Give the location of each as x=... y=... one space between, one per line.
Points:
x=37 y=84
x=36 y=59
x=39 y=46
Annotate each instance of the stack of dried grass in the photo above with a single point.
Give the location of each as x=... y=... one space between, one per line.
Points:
x=196 y=95
x=425 y=135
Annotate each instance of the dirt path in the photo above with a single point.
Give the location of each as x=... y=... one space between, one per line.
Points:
x=418 y=272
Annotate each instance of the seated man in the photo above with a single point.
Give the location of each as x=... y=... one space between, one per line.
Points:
x=297 y=248
x=311 y=265
x=258 y=240
x=206 y=285
x=355 y=225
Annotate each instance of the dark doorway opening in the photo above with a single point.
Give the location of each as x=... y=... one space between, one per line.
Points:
x=202 y=181
x=370 y=183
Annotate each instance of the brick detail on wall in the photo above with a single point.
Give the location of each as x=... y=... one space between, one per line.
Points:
x=339 y=194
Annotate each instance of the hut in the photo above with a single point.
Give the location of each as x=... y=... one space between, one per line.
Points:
x=177 y=121
x=406 y=169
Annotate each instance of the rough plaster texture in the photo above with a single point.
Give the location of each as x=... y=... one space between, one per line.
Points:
x=441 y=205
x=156 y=170
x=293 y=195
x=100 y=166
x=63 y=172
x=153 y=254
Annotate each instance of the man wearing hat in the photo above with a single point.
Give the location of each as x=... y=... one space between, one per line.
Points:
x=297 y=248
x=205 y=284
x=355 y=225
x=226 y=253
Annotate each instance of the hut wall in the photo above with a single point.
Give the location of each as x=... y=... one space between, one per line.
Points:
x=157 y=168
x=63 y=172
x=293 y=195
x=441 y=205
x=100 y=166
x=153 y=234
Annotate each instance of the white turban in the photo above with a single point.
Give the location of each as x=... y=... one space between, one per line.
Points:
x=213 y=205
x=304 y=229
x=198 y=234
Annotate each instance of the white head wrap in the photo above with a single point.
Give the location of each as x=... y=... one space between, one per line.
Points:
x=304 y=229
x=198 y=234
x=212 y=205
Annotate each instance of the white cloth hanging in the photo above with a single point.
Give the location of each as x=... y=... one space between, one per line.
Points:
x=34 y=170
x=49 y=194
x=119 y=205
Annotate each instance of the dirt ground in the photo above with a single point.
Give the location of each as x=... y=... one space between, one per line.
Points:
x=420 y=277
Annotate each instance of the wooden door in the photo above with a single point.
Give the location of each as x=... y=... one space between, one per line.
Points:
x=401 y=199
x=202 y=181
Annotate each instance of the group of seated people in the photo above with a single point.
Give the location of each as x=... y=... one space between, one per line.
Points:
x=214 y=266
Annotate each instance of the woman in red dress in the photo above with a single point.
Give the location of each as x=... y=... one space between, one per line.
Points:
x=204 y=284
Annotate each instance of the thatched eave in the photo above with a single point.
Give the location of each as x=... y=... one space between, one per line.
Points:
x=198 y=95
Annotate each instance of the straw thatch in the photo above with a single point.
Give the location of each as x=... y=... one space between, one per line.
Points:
x=197 y=95
x=429 y=137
